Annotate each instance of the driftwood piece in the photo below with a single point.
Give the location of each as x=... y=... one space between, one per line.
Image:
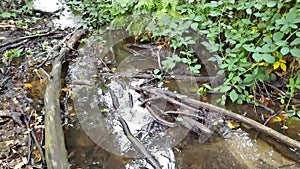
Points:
x=198 y=104
x=56 y=154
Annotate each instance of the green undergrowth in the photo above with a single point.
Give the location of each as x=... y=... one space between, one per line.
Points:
x=12 y=11
x=21 y=14
x=255 y=41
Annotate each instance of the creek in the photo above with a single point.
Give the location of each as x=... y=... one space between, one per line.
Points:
x=101 y=87
x=98 y=141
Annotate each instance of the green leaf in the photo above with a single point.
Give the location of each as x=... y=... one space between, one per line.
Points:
x=267 y=39
x=7 y=15
x=295 y=52
x=156 y=71
x=268 y=58
x=269 y=47
x=298 y=114
x=277 y=36
x=258 y=6
x=292 y=15
x=249 y=48
x=271 y=4
x=186 y=60
x=198 y=18
x=246 y=21
x=249 y=11
x=248 y=78
x=295 y=42
x=284 y=50
x=281 y=22
x=197 y=66
x=257 y=57
x=224 y=89
x=233 y=95
x=194 y=26
x=281 y=43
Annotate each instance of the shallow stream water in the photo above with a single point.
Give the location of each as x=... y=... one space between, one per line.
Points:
x=98 y=140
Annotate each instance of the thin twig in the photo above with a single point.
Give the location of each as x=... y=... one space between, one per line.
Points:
x=37 y=144
x=49 y=55
x=183 y=113
x=158 y=119
x=26 y=37
x=270 y=117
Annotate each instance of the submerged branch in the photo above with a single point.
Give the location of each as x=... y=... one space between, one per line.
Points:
x=188 y=102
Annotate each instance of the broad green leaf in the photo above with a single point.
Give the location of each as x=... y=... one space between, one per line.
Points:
x=269 y=47
x=267 y=39
x=268 y=58
x=258 y=6
x=292 y=15
x=249 y=48
x=271 y=4
x=197 y=66
x=295 y=52
x=281 y=43
x=246 y=21
x=294 y=26
x=284 y=50
x=249 y=11
x=224 y=89
x=295 y=42
x=194 y=26
x=281 y=22
x=186 y=60
x=233 y=95
x=198 y=18
x=248 y=78
x=7 y=15
x=257 y=57
x=156 y=71
x=277 y=36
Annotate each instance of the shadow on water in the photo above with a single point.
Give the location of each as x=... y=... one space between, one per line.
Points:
x=97 y=140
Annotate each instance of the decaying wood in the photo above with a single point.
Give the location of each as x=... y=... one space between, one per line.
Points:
x=56 y=154
x=196 y=104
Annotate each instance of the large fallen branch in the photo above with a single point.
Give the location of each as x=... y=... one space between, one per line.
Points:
x=166 y=95
x=56 y=154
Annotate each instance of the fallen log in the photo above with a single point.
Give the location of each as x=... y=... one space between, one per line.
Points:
x=55 y=151
x=196 y=104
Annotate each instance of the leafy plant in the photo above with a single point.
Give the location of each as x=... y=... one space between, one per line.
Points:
x=10 y=54
x=170 y=62
x=293 y=85
x=253 y=40
x=13 y=13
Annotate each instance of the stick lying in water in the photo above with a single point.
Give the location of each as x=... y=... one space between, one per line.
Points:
x=196 y=104
x=139 y=146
